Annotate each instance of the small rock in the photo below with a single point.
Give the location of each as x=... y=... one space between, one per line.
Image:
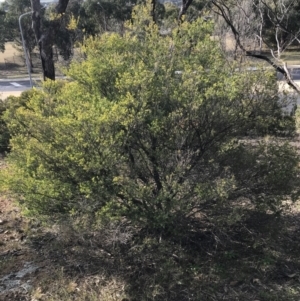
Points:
x=292 y=275
x=256 y=281
x=235 y=283
x=2 y=221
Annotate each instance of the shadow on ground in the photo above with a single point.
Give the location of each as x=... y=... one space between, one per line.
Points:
x=257 y=259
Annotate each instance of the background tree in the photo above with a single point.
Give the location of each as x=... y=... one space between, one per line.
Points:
x=65 y=38
x=69 y=32
x=13 y=9
x=90 y=17
x=101 y=16
x=272 y=23
x=3 y=37
x=45 y=37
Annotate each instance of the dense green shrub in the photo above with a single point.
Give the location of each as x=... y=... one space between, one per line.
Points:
x=11 y=103
x=4 y=132
x=150 y=127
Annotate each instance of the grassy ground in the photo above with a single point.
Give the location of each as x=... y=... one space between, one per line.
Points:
x=12 y=63
x=4 y=95
x=292 y=57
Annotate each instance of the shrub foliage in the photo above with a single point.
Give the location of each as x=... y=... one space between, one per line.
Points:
x=151 y=127
x=4 y=133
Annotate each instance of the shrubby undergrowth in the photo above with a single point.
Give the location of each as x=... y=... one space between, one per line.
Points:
x=4 y=132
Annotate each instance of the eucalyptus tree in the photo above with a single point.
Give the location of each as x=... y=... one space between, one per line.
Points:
x=273 y=25
x=11 y=11
x=45 y=36
x=3 y=31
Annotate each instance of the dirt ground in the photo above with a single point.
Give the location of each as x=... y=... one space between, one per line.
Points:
x=4 y=95
x=9 y=54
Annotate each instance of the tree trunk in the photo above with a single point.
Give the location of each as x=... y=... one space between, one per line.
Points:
x=29 y=59
x=183 y=8
x=46 y=39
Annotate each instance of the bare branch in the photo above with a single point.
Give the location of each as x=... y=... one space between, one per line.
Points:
x=225 y=11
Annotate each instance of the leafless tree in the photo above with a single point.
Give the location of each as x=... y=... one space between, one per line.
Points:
x=248 y=21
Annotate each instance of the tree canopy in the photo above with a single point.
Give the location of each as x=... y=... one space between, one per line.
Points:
x=263 y=29
x=10 y=10
x=2 y=31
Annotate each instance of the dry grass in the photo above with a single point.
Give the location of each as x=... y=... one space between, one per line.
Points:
x=4 y=95
x=10 y=52
x=12 y=63
x=291 y=57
